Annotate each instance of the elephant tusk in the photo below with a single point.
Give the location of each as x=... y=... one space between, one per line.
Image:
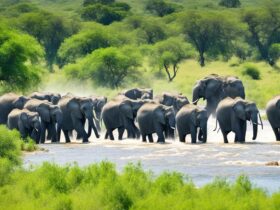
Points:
x=172 y=128
x=195 y=101
x=261 y=121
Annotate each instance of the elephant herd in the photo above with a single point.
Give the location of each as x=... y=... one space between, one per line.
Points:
x=43 y=116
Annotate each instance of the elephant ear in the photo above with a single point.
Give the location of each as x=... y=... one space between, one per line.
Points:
x=239 y=110
x=212 y=85
x=24 y=118
x=44 y=112
x=278 y=104
x=75 y=109
x=159 y=115
x=194 y=117
x=126 y=110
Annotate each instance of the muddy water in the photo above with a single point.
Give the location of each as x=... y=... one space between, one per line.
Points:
x=201 y=162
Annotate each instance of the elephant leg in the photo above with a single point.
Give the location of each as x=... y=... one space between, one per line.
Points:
x=150 y=136
x=49 y=128
x=193 y=134
x=182 y=137
x=277 y=133
x=79 y=136
x=66 y=135
x=144 y=137
x=200 y=135
x=225 y=133
x=95 y=131
x=43 y=134
x=110 y=133
x=136 y=131
x=121 y=131
x=159 y=132
x=106 y=135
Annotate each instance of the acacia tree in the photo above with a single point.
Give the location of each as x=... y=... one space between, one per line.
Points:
x=107 y=66
x=160 y=7
x=19 y=56
x=264 y=27
x=168 y=55
x=211 y=34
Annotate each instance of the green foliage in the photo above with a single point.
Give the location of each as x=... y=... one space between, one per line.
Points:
x=274 y=52
x=107 y=67
x=19 y=56
x=28 y=145
x=168 y=54
x=252 y=72
x=230 y=3
x=104 y=11
x=212 y=34
x=161 y=8
x=87 y=41
x=264 y=27
x=50 y=30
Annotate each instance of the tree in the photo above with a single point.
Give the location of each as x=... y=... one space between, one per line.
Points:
x=274 y=52
x=230 y=3
x=151 y=31
x=264 y=28
x=91 y=2
x=211 y=34
x=160 y=7
x=107 y=67
x=168 y=54
x=19 y=56
x=49 y=30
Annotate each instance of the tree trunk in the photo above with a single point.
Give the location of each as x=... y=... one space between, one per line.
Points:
x=201 y=59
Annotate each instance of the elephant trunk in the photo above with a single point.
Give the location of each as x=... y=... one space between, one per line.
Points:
x=37 y=131
x=254 y=118
x=59 y=118
x=204 y=133
x=196 y=95
x=92 y=126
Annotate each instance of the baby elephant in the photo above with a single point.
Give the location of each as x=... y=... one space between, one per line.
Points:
x=155 y=118
x=189 y=119
x=232 y=115
x=27 y=122
x=273 y=115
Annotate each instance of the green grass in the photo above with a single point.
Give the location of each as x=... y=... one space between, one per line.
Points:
x=100 y=186
x=259 y=91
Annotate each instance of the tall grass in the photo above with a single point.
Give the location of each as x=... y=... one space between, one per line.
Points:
x=100 y=186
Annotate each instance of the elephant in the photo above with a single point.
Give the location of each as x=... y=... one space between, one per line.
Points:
x=214 y=88
x=26 y=122
x=120 y=114
x=273 y=115
x=99 y=103
x=175 y=100
x=51 y=118
x=8 y=102
x=232 y=115
x=155 y=118
x=139 y=93
x=189 y=119
x=76 y=110
x=51 y=97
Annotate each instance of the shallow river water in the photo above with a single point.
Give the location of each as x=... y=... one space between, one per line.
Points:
x=201 y=162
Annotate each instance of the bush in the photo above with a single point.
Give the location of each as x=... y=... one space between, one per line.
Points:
x=230 y=3
x=252 y=72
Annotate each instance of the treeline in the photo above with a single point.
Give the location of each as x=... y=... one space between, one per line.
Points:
x=106 y=42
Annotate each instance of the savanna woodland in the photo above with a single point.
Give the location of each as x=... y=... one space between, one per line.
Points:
x=109 y=45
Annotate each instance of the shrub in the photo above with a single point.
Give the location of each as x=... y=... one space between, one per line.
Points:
x=230 y=3
x=252 y=72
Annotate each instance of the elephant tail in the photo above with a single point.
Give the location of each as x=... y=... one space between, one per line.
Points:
x=216 y=126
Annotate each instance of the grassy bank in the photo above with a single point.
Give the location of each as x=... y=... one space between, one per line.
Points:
x=259 y=91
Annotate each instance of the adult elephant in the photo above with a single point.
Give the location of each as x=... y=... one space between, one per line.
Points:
x=8 y=102
x=155 y=118
x=214 y=88
x=189 y=119
x=76 y=110
x=120 y=114
x=51 y=118
x=98 y=104
x=26 y=122
x=51 y=97
x=232 y=115
x=177 y=101
x=139 y=93
x=273 y=115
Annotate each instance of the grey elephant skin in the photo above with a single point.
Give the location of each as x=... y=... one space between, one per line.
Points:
x=139 y=93
x=8 y=102
x=76 y=110
x=273 y=115
x=232 y=115
x=98 y=104
x=155 y=118
x=177 y=101
x=120 y=114
x=26 y=122
x=51 y=118
x=189 y=119
x=214 y=88
x=51 y=97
